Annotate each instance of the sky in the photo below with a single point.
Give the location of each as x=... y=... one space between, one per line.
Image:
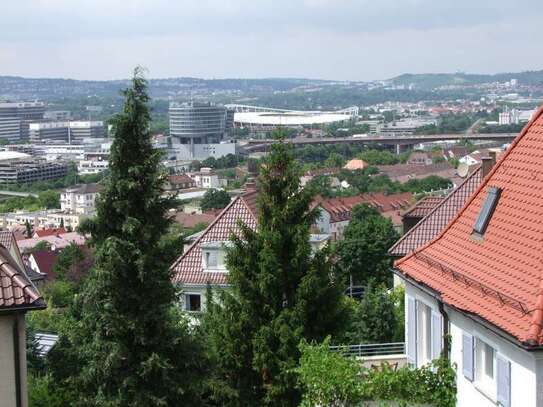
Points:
x=321 y=39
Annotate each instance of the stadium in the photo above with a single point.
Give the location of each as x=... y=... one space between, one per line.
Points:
x=258 y=119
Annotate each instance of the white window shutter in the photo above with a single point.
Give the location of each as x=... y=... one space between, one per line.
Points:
x=411 y=331
x=467 y=356
x=504 y=381
x=437 y=335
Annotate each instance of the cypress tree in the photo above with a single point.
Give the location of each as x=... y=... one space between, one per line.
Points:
x=280 y=293
x=130 y=346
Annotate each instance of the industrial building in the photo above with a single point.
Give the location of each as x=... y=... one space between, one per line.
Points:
x=15 y=118
x=198 y=130
x=68 y=131
x=21 y=168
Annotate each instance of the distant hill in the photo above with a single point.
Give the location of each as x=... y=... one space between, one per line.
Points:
x=434 y=80
x=19 y=88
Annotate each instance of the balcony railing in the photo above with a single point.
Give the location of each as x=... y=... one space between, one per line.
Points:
x=371 y=349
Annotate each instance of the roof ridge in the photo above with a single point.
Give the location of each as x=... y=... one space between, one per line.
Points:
x=206 y=230
x=436 y=208
x=481 y=186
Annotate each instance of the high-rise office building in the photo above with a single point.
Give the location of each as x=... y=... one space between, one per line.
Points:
x=197 y=129
x=15 y=118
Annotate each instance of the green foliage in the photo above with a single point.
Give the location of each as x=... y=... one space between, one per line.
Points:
x=430 y=183
x=214 y=199
x=45 y=200
x=41 y=245
x=362 y=253
x=124 y=342
x=330 y=379
x=42 y=393
x=379 y=157
x=73 y=263
x=334 y=160
x=226 y=161
x=449 y=123
x=507 y=128
x=280 y=293
x=374 y=319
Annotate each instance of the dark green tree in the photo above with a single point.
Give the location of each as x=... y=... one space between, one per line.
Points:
x=214 y=199
x=282 y=292
x=29 y=230
x=362 y=254
x=127 y=345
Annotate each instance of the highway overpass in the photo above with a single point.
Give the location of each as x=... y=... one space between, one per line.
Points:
x=384 y=139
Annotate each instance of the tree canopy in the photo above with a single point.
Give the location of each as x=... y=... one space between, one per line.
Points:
x=281 y=292
x=214 y=199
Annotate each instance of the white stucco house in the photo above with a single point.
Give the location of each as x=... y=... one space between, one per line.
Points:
x=204 y=262
x=480 y=282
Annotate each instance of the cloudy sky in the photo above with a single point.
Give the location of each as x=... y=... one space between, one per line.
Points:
x=329 y=39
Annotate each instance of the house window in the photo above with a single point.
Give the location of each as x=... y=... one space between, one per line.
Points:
x=193 y=302
x=211 y=258
x=485 y=359
x=487 y=210
x=424 y=330
x=214 y=256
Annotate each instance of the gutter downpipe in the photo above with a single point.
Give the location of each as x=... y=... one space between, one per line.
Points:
x=446 y=344
x=17 y=357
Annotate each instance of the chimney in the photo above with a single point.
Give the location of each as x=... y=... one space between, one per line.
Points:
x=487 y=165
x=250 y=185
x=493 y=154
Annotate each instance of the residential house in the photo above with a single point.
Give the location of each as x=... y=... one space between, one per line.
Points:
x=355 y=164
x=80 y=199
x=179 y=181
x=310 y=175
x=419 y=210
x=203 y=263
x=335 y=213
x=48 y=232
x=404 y=172
x=56 y=242
x=480 y=282
x=420 y=158
x=207 y=178
x=43 y=262
x=17 y=296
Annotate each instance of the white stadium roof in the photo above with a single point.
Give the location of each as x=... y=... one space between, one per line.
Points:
x=261 y=116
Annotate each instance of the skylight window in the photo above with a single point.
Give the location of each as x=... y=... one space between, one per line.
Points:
x=487 y=210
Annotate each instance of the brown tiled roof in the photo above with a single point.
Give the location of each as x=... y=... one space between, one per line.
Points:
x=498 y=276
x=437 y=219
x=340 y=208
x=423 y=207
x=6 y=238
x=188 y=269
x=16 y=289
x=180 y=179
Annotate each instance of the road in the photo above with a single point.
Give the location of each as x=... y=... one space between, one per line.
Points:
x=20 y=194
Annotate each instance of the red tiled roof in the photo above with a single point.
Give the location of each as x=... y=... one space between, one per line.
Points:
x=16 y=290
x=423 y=206
x=6 y=238
x=49 y=232
x=340 y=208
x=498 y=276
x=45 y=260
x=190 y=220
x=188 y=268
x=435 y=221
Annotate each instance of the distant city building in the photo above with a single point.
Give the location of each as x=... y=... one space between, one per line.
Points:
x=408 y=126
x=57 y=115
x=76 y=131
x=197 y=130
x=15 y=118
x=207 y=178
x=21 y=168
x=80 y=199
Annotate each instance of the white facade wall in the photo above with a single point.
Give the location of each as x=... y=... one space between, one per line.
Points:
x=526 y=367
x=203 y=151
x=8 y=397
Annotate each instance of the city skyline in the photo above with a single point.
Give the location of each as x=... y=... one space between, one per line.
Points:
x=318 y=39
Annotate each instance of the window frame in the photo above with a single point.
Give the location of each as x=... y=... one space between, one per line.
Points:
x=481 y=381
x=186 y=301
x=424 y=333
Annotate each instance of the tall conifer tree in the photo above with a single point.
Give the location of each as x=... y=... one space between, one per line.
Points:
x=127 y=346
x=281 y=293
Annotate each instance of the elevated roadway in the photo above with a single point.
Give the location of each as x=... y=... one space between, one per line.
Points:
x=385 y=139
